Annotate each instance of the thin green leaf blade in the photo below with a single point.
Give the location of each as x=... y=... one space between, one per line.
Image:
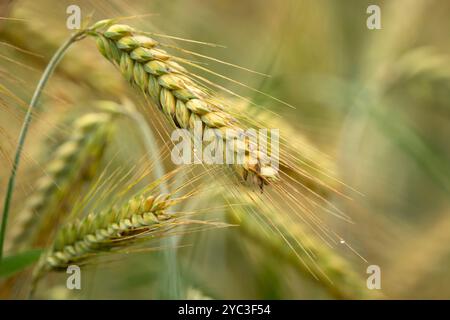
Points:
x=15 y=263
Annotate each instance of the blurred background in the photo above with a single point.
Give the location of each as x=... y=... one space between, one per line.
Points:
x=376 y=102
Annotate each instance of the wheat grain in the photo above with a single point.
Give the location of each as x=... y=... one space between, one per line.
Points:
x=73 y=162
x=170 y=86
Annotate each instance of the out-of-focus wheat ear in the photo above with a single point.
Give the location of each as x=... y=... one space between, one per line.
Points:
x=312 y=259
x=72 y=165
x=184 y=102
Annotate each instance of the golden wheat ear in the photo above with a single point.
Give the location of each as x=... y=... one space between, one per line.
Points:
x=184 y=102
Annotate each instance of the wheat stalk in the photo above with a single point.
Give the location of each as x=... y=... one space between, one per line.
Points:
x=77 y=65
x=73 y=162
x=172 y=88
x=56 y=58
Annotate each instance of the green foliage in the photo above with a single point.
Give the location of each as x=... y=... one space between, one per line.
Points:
x=13 y=264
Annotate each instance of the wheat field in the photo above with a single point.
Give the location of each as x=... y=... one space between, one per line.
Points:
x=360 y=180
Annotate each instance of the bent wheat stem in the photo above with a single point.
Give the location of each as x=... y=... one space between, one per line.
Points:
x=24 y=130
x=159 y=172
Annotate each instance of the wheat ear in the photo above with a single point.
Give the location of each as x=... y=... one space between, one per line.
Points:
x=110 y=229
x=170 y=86
x=298 y=248
x=72 y=164
x=114 y=230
